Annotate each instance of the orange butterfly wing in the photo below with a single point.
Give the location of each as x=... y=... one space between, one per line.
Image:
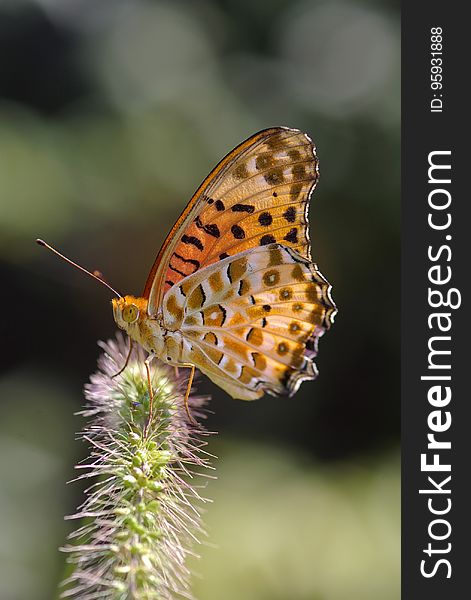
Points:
x=257 y=195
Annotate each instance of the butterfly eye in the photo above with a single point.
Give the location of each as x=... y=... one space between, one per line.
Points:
x=130 y=313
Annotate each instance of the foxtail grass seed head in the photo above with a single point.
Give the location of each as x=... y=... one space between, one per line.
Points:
x=141 y=515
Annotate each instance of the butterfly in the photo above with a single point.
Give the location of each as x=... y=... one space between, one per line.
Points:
x=233 y=290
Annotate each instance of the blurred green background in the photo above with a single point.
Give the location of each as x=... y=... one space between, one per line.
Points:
x=111 y=113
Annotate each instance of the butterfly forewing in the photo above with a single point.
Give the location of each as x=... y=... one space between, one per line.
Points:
x=248 y=321
x=258 y=195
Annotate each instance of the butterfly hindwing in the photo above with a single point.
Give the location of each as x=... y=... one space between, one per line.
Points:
x=251 y=322
x=258 y=195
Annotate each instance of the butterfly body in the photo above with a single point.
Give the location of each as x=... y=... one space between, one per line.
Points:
x=233 y=290
x=150 y=332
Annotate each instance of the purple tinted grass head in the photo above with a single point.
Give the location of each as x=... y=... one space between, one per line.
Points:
x=141 y=515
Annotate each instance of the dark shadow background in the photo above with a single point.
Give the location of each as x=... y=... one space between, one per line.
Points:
x=111 y=114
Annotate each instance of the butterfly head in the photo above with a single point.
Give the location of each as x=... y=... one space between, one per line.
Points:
x=128 y=310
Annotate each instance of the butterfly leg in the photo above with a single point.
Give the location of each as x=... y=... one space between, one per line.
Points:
x=151 y=392
x=127 y=360
x=187 y=394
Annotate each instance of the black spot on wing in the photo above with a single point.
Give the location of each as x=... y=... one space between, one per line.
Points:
x=238 y=232
x=224 y=314
x=175 y=270
x=290 y=214
x=191 y=239
x=248 y=208
x=192 y=261
x=292 y=236
x=265 y=219
x=203 y=295
x=211 y=229
x=267 y=239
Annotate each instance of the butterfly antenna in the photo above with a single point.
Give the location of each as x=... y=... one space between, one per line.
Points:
x=95 y=275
